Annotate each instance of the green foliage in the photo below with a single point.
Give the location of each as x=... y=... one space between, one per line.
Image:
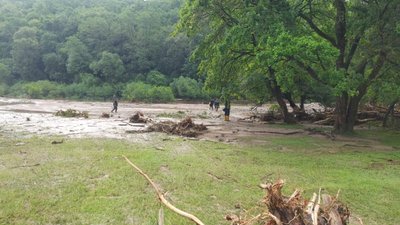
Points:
x=139 y=91
x=85 y=181
x=187 y=88
x=78 y=57
x=109 y=68
x=115 y=40
x=3 y=89
x=296 y=48
x=38 y=89
x=156 y=78
x=26 y=54
x=5 y=74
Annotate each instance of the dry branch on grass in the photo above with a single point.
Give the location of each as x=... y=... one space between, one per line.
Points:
x=321 y=209
x=163 y=199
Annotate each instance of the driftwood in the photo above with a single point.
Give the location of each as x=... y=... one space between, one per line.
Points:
x=186 y=128
x=276 y=132
x=139 y=117
x=163 y=199
x=105 y=115
x=321 y=209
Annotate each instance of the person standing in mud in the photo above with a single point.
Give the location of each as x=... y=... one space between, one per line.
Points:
x=227 y=110
x=115 y=104
x=216 y=104
x=212 y=104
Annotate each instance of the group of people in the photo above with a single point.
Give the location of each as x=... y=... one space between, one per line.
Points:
x=214 y=104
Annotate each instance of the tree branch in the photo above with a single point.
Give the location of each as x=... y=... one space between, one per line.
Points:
x=317 y=30
x=162 y=198
x=352 y=51
x=308 y=69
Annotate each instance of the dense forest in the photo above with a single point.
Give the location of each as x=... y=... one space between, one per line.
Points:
x=84 y=49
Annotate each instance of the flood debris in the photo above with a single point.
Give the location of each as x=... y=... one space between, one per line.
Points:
x=57 y=142
x=72 y=113
x=105 y=115
x=186 y=128
x=277 y=209
x=139 y=117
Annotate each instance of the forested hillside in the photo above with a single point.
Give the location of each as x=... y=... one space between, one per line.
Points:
x=92 y=49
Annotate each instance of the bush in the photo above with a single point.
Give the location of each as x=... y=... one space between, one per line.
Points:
x=188 y=88
x=38 y=89
x=156 y=78
x=139 y=91
x=3 y=89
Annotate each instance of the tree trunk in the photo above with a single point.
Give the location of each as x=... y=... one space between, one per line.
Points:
x=277 y=93
x=388 y=112
x=292 y=104
x=302 y=101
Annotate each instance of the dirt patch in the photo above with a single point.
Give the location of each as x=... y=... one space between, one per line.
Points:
x=36 y=117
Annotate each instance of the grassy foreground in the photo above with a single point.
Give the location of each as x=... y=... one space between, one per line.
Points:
x=86 y=181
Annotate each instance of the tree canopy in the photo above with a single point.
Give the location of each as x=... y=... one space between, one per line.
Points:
x=114 y=40
x=301 y=47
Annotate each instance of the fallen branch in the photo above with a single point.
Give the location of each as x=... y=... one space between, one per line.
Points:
x=162 y=198
x=33 y=165
x=275 y=132
x=161 y=216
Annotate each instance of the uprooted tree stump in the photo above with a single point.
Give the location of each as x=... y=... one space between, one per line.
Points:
x=321 y=209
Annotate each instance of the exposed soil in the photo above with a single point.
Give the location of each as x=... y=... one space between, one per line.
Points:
x=37 y=117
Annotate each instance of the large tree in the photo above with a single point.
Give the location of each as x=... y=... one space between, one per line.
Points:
x=340 y=45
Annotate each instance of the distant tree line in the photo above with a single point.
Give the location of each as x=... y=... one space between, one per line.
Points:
x=84 y=49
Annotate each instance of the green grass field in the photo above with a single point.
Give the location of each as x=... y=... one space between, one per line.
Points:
x=87 y=181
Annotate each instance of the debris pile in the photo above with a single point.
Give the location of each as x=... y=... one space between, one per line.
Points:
x=184 y=128
x=321 y=209
x=72 y=113
x=105 y=115
x=139 y=117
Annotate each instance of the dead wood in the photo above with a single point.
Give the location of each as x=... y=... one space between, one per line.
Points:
x=162 y=198
x=362 y=121
x=105 y=115
x=139 y=117
x=321 y=209
x=33 y=165
x=72 y=113
x=161 y=216
x=275 y=132
x=184 y=128
x=57 y=142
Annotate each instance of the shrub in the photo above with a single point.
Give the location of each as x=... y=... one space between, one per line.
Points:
x=3 y=89
x=38 y=89
x=156 y=78
x=139 y=91
x=188 y=88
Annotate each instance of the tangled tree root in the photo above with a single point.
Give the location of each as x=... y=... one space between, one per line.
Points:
x=138 y=117
x=321 y=209
x=184 y=128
